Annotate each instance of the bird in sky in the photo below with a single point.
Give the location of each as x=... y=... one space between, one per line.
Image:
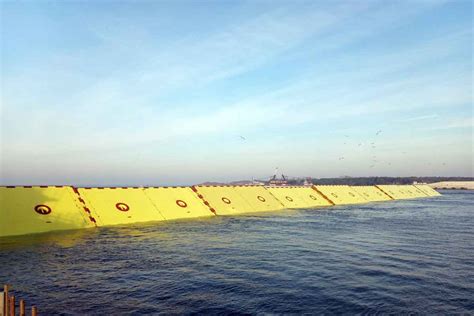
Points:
x=378 y=132
x=243 y=138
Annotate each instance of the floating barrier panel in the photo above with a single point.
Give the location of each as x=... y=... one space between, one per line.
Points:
x=393 y=191
x=289 y=197
x=340 y=194
x=371 y=193
x=177 y=202
x=28 y=210
x=115 y=206
x=311 y=197
x=224 y=200
x=259 y=198
x=429 y=191
x=415 y=191
x=401 y=192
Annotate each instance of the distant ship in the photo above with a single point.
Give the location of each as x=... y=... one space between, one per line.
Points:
x=275 y=181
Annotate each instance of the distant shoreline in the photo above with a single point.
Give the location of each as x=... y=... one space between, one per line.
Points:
x=453 y=185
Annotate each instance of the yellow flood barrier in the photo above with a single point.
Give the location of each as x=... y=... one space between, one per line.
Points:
x=288 y=197
x=311 y=197
x=429 y=191
x=115 y=206
x=27 y=210
x=371 y=193
x=415 y=192
x=393 y=191
x=258 y=198
x=340 y=194
x=401 y=192
x=177 y=202
x=223 y=200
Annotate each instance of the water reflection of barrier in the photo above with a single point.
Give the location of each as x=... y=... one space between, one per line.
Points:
x=27 y=210
x=8 y=304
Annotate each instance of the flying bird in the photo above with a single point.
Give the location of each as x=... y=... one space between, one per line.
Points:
x=241 y=137
x=378 y=132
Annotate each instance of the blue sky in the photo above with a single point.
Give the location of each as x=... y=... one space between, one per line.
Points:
x=157 y=92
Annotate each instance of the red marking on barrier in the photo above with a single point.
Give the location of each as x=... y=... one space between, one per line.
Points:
x=75 y=190
x=226 y=200
x=194 y=189
x=181 y=203
x=43 y=209
x=289 y=198
x=213 y=210
x=81 y=200
x=86 y=209
x=261 y=198
x=206 y=202
x=122 y=207
x=92 y=219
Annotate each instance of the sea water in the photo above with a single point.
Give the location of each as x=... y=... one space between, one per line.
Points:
x=412 y=256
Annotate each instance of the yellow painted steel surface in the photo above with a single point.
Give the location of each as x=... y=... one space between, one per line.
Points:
x=311 y=197
x=175 y=203
x=371 y=193
x=258 y=198
x=340 y=194
x=27 y=210
x=114 y=206
x=429 y=191
x=401 y=192
x=289 y=197
x=393 y=191
x=224 y=199
x=415 y=191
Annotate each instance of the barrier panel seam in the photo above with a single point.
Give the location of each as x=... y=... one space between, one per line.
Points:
x=385 y=192
x=391 y=198
x=199 y=195
x=84 y=206
x=323 y=195
x=269 y=192
x=153 y=203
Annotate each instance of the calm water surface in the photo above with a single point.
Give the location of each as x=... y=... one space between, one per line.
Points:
x=412 y=256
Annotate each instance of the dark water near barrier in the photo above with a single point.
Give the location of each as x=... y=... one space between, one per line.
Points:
x=398 y=257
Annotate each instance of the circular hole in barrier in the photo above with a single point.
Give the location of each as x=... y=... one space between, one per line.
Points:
x=351 y=194
x=43 y=209
x=226 y=200
x=122 y=207
x=313 y=197
x=181 y=203
x=289 y=199
x=261 y=198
